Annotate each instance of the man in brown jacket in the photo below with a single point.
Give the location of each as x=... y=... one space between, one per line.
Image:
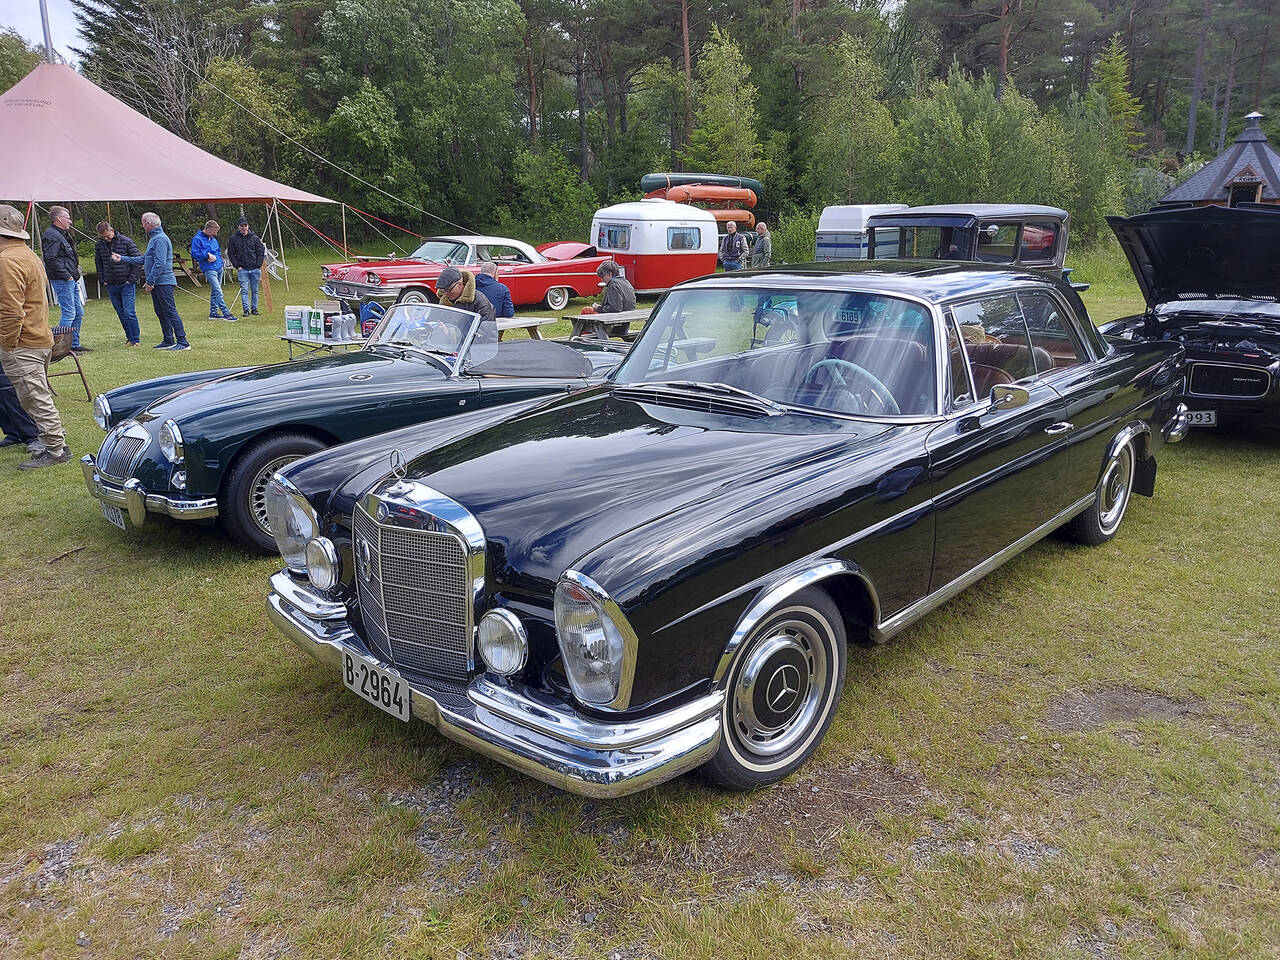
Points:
x=25 y=338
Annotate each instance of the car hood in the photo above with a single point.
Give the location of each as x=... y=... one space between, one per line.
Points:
x=387 y=270
x=1203 y=253
x=553 y=484
x=365 y=371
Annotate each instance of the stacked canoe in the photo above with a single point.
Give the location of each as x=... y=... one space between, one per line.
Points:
x=727 y=198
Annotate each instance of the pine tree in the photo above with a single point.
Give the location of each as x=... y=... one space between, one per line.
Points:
x=1111 y=80
x=724 y=138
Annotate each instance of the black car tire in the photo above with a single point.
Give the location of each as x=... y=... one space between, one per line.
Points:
x=558 y=298
x=1099 y=523
x=240 y=504
x=800 y=649
x=416 y=295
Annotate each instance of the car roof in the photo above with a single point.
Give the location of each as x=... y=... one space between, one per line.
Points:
x=469 y=238
x=979 y=210
x=935 y=281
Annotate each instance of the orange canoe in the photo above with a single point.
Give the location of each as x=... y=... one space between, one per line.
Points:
x=743 y=217
x=710 y=193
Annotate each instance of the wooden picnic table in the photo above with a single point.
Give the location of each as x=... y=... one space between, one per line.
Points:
x=598 y=324
x=533 y=324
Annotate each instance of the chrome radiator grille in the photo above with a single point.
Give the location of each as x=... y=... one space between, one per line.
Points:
x=415 y=597
x=115 y=459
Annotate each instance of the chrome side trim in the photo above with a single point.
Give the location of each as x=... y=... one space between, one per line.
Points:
x=908 y=615
x=133 y=498
x=772 y=596
x=630 y=642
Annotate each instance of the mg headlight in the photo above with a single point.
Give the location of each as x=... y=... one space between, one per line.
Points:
x=293 y=523
x=596 y=641
x=171 y=441
x=102 y=411
x=373 y=278
x=322 y=563
x=504 y=645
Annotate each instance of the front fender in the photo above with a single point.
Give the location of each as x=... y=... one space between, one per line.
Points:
x=128 y=401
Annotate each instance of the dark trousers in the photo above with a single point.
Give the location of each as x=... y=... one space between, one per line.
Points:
x=123 y=298
x=171 y=329
x=16 y=422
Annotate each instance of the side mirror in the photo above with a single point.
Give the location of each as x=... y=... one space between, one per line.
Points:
x=1005 y=396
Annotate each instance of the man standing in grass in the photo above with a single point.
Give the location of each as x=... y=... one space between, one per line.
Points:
x=25 y=338
x=62 y=264
x=120 y=279
x=207 y=255
x=246 y=253
x=157 y=265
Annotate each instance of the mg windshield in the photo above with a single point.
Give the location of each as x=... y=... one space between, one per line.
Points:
x=441 y=251
x=834 y=352
x=458 y=336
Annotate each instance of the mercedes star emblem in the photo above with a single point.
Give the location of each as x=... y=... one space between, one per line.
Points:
x=783 y=686
x=398 y=466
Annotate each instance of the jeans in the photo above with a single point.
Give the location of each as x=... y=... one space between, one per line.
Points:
x=217 y=304
x=733 y=265
x=249 y=280
x=14 y=421
x=124 y=298
x=171 y=328
x=68 y=294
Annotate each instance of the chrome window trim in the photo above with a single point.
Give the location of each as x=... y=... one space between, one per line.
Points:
x=630 y=642
x=1192 y=364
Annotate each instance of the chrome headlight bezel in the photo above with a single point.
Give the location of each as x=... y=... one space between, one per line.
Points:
x=170 y=441
x=503 y=642
x=324 y=565
x=102 y=411
x=597 y=644
x=294 y=523
x=372 y=278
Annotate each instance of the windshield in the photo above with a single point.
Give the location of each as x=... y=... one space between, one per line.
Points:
x=834 y=352
x=441 y=251
x=1241 y=309
x=459 y=336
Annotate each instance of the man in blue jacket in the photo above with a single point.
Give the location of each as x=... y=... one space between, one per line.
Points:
x=207 y=255
x=157 y=266
x=499 y=293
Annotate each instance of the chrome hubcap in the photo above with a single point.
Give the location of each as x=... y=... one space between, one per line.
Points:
x=557 y=298
x=258 y=490
x=1113 y=493
x=414 y=296
x=780 y=689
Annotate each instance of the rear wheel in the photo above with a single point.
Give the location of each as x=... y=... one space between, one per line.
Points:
x=1101 y=520
x=242 y=507
x=557 y=298
x=781 y=693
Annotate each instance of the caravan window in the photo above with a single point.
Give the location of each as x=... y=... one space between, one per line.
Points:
x=684 y=238
x=614 y=236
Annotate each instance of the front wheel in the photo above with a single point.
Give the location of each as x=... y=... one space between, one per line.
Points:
x=242 y=507
x=416 y=295
x=557 y=298
x=1101 y=520
x=781 y=693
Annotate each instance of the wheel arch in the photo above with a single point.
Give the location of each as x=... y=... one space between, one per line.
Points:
x=1144 y=466
x=280 y=429
x=422 y=288
x=848 y=586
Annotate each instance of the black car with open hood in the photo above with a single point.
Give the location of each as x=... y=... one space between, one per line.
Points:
x=1211 y=280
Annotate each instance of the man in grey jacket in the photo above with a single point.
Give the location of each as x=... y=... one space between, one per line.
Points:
x=762 y=252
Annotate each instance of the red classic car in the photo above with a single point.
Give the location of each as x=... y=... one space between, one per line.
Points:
x=550 y=274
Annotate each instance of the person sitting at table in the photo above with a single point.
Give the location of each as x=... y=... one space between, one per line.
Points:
x=619 y=295
x=499 y=293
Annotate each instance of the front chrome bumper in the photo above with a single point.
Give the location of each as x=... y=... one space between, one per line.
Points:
x=138 y=503
x=362 y=292
x=525 y=729
x=1178 y=425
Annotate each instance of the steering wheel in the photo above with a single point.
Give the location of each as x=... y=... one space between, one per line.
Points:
x=437 y=334
x=856 y=381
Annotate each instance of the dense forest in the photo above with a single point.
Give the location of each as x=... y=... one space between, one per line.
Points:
x=525 y=115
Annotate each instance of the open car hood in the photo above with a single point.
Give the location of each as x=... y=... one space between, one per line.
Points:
x=566 y=250
x=1203 y=253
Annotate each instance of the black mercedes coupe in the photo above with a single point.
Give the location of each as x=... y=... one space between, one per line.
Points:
x=665 y=572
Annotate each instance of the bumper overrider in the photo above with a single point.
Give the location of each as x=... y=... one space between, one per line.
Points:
x=525 y=729
x=1178 y=425
x=137 y=502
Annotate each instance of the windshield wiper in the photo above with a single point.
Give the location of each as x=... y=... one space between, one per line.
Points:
x=771 y=407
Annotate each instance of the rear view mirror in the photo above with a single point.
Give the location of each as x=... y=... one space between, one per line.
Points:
x=1005 y=396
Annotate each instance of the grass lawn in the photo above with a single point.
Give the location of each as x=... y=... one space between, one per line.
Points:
x=1078 y=757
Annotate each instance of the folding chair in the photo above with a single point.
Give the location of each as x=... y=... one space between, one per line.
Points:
x=61 y=350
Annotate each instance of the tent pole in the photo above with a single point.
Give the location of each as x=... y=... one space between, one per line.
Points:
x=345 y=253
x=280 y=240
x=266 y=274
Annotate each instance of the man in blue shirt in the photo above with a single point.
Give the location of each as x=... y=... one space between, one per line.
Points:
x=207 y=255
x=499 y=293
x=157 y=265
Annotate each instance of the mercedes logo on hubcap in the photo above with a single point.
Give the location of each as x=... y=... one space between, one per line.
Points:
x=783 y=687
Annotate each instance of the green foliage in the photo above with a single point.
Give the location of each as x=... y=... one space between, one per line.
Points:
x=549 y=202
x=1112 y=83
x=724 y=137
x=1092 y=181
x=16 y=58
x=229 y=128
x=1143 y=189
x=794 y=236
x=855 y=141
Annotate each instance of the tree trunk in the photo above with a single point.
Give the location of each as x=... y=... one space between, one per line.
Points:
x=1006 y=29
x=1197 y=82
x=580 y=92
x=1226 y=97
x=1262 y=58
x=533 y=88
x=688 y=70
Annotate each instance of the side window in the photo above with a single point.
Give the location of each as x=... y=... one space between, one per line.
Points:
x=995 y=341
x=997 y=242
x=958 y=365
x=501 y=253
x=684 y=238
x=1039 y=242
x=1053 y=345
x=614 y=236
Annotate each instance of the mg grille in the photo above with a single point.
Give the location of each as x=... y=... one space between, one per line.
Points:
x=115 y=459
x=1221 y=380
x=415 y=597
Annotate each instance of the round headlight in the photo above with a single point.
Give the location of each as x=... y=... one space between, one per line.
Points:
x=171 y=441
x=322 y=563
x=324 y=273
x=596 y=642
x=504 y=645
x=293 y=522
x=102 y=411
x=373 y=278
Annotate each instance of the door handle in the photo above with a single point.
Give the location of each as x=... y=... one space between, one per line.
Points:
x=1061 y=427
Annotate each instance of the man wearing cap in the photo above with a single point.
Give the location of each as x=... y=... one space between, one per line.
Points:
x=246 y=253
x=457 y=288
x=62 y=264
x=25 y=338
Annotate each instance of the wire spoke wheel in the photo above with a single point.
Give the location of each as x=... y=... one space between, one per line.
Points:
x=258 y=489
